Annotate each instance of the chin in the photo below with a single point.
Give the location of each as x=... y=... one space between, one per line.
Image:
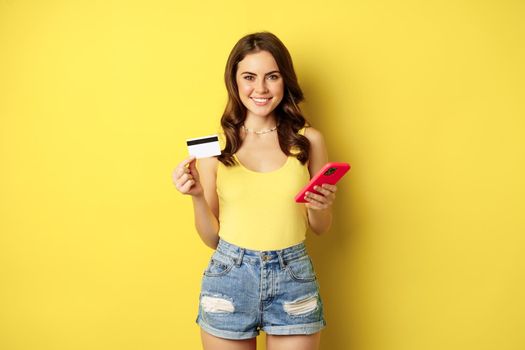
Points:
x=262 y=114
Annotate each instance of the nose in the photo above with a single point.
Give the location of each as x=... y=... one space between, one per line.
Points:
x=260 y=88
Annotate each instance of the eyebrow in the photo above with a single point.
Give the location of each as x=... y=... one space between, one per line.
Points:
x=273 y=71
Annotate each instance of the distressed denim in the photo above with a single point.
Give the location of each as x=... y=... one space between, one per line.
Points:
x=244 y=291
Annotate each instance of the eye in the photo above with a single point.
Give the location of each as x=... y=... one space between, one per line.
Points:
x=247 y=77
x=275 y=76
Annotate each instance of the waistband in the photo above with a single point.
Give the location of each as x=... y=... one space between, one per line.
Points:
x=238 y=254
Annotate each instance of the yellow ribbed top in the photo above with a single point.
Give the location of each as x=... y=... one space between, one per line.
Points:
x=257 y=210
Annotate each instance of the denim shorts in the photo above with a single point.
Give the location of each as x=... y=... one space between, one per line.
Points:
x=244 y=291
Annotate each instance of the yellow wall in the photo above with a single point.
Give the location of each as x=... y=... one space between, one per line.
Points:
x=424 y=99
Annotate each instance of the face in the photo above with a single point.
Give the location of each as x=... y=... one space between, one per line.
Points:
x=260 y=83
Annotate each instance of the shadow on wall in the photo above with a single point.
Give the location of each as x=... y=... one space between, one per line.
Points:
x=335 y=252
x=333 y=255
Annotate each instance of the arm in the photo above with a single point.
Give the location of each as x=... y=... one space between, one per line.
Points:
x=200 y=184
x=319 y=206
x=206 y=205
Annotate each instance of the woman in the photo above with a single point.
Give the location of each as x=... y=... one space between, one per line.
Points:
x=260 y=276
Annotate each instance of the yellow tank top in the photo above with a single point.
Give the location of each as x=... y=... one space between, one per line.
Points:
x=257 y=210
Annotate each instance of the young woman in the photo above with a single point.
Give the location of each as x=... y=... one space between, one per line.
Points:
x=260 y=276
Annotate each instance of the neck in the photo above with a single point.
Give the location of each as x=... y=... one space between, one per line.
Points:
x=260 y=123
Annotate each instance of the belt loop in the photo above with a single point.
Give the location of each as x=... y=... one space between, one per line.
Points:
x=281 y=259
x=239 y=258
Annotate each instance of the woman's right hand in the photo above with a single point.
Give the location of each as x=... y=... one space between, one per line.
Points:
x=186 y=177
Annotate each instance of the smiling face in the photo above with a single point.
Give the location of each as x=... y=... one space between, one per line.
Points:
x=260 y=83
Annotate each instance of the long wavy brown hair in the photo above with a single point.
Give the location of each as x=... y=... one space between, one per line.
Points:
x=289 y=116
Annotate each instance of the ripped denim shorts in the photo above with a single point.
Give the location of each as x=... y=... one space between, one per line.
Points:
x=244 y=291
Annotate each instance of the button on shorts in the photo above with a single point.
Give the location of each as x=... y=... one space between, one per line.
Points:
x=244 y=291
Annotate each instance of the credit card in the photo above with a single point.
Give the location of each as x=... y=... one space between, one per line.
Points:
x=203 y=147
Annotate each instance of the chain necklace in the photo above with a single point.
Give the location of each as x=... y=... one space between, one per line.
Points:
x=259 y=132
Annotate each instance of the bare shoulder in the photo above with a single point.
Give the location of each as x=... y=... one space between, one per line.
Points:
x=318 y=154
x=314 y=136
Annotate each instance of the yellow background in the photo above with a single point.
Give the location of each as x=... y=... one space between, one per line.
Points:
x=424 y=98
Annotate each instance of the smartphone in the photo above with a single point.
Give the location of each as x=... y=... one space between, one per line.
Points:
x=330 y=173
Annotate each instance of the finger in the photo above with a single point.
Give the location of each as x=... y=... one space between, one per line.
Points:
x=314 y=201
x=314 y=205
x=332 y=188
x=317 y=197
x=323 y=202
x=193 y=166
x=322 y=190
x=183 y=179
x=185 y=162
x=186 y=186
x=178 y=172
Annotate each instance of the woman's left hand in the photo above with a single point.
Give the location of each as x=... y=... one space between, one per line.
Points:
x=323 y=200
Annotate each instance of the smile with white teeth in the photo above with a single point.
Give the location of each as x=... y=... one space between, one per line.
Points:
x=261 y=100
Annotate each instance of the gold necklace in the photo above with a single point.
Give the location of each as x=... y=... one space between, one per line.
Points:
x=260 y=131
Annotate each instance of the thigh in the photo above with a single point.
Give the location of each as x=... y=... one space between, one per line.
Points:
x=293 y=342
x=296 y=307
x=211 y=342
x=229 y=299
